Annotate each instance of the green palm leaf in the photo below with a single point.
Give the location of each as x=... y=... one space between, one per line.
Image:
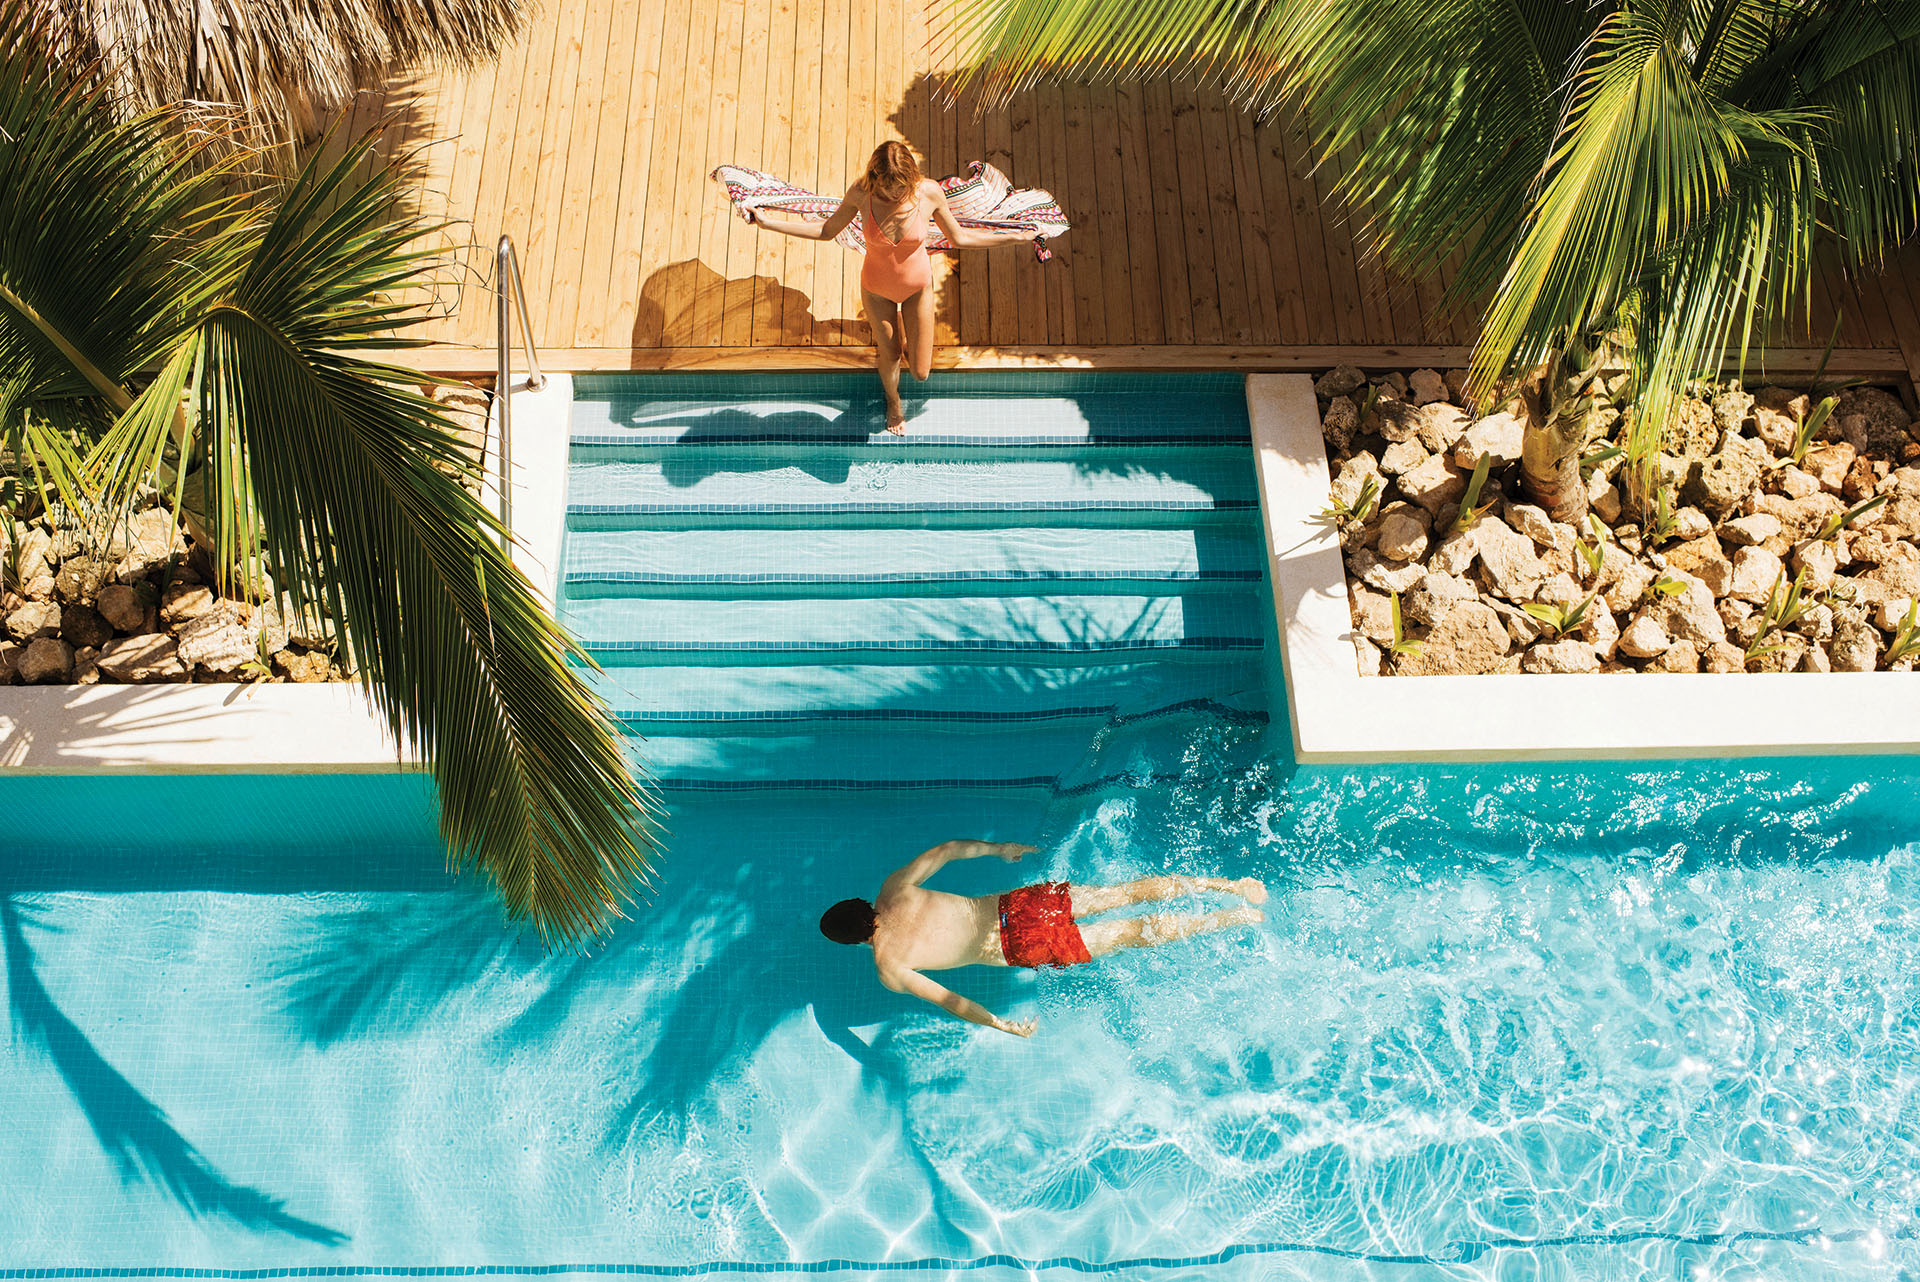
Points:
x=169 y=325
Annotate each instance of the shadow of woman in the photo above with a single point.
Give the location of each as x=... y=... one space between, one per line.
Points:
x=683 y=301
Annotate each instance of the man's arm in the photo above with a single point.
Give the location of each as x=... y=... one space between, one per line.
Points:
x=912 y=981
x=932 y=861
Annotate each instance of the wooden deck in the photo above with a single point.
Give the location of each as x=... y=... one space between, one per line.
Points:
x=1201 y=238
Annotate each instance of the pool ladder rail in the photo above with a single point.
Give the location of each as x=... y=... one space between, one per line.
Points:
x=507 y=282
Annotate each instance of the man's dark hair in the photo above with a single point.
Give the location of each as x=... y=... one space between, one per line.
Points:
x=848 y=922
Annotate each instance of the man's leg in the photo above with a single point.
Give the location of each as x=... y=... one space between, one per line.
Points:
x=1147 y=932
x=1089 y=900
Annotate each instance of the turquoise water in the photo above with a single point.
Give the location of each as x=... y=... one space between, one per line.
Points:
x=1565 y=1021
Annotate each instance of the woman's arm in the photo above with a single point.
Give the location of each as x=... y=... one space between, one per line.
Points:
x=806 y=229
x=964 y=239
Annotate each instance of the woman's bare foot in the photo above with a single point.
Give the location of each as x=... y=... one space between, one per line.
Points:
x=1251 y=889
x=896 y=419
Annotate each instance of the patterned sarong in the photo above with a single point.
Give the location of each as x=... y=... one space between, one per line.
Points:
x=983 y=198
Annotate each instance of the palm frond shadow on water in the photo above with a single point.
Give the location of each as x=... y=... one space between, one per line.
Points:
x=132 y=1129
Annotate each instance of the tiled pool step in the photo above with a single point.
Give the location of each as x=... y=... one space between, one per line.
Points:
x=1049 y=629
x=1026 y=756
x=756 y=698
x=781 y=595
x=794 y=486
x=908 y=562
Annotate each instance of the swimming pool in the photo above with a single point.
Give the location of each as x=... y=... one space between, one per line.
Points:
x=1559 y=1021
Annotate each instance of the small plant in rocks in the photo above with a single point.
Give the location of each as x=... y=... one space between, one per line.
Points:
x=1906 y=640
x=1559 y=618
x=1831 y=527
x=1340 y=512
x=1402 y=644
x=1471 y=509
x=1786 y=605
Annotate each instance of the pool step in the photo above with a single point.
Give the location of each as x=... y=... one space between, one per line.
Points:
x=792 y=486
x=1047 y=757
x=844 y=562
x=1050 y=629
x=947 y=410
x=1049 y=584
x=765 y=698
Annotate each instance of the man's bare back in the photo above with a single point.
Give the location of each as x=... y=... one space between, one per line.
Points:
x=913 y=929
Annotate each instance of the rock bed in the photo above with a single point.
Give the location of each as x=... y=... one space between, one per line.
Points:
x=1687 y=594
x=140 y=609
x=137 y=608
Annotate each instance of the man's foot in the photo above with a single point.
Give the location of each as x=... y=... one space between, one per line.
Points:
x=1251 y=889
x=896 y=419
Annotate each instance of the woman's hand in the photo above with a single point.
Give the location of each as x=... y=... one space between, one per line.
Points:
x=1013 y=852
x=1018 y=1027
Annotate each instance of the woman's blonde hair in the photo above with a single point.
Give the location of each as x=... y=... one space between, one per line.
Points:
x=892 y=172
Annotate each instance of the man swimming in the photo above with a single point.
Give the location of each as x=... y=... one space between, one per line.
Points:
x=913 y=929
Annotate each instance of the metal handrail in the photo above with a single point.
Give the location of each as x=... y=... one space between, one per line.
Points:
x=506 y=279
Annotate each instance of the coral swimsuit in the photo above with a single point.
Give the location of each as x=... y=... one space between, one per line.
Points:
x=895 y=269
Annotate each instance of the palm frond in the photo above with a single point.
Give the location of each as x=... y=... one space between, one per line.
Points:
x=352 y=469
x=285 y=65
x=158 y=319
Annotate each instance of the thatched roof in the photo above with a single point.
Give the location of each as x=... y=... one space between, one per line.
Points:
x=286 y=65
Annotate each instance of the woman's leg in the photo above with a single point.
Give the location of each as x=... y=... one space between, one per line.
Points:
x=1088 y=900
x=884 y=319
x=916 y=324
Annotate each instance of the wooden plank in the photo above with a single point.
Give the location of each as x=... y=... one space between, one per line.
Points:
x=1226 y=218
x=866 y=134
x=690 y=279
x=832 y=264
x=803 y=257
x=599 y=203
x=652 y=280
x=1016 y=296
x=1142 y=237
x=1049 y=110
x=1788 y=365
x=494 y=168
x=1259 y=223
x=974 y=269
x=1169 y=230
x=1086 y=264
x=1196 y=214
x=1375 y=305
x=1116 y=266
x=539 y=155
x=1349 y=316
x=714 y=213
x=1032 y=156
x=626 y=207
x=1290 y=268
x=602 y=92
x=517 y=160
x=776 y=111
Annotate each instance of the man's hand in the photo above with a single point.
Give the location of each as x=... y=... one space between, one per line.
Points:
x=1013 y=852
x=1018 y=1027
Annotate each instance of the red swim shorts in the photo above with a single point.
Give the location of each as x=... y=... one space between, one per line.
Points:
x=1037 y=927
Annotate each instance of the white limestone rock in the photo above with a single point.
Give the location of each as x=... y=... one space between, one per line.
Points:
x=1560 y=657
x=1644 y=637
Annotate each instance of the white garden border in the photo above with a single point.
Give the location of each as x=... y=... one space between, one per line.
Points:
x=1340 y=716
x=280 y=727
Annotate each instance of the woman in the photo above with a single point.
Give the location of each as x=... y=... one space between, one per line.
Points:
x=896 y=279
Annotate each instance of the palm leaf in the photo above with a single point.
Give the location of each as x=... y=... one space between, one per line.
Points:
x=161 y=289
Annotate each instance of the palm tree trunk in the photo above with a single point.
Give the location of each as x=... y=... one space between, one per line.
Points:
x=1550 y=464
x=1564 y=397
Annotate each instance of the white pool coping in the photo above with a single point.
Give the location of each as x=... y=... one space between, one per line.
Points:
x=279 y=727
x=1337 y=715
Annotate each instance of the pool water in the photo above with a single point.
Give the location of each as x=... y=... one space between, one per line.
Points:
x=1558 y=1021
